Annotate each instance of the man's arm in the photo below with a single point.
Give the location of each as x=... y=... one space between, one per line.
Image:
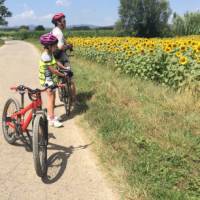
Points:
x=60 y=65
x=55 y=71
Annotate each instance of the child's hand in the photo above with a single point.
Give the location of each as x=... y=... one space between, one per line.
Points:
x=69 y=47
x=61 y=85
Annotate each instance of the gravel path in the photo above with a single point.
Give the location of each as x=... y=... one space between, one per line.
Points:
x=73 y=173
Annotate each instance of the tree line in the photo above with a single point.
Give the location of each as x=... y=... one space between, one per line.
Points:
x=151 y=18
x=142 y=18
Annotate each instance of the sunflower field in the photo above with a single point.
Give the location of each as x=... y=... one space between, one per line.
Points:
x=174 y=62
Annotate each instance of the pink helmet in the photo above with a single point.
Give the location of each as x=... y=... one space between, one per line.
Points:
x=57 y=17
x=48 y=39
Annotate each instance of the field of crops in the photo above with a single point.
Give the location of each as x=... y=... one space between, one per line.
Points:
x=24 y=34
x=174 y=62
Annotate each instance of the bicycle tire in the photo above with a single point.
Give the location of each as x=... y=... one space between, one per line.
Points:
x=67 y=98
x=60 y=94
x=40 y=145
x=9 y=137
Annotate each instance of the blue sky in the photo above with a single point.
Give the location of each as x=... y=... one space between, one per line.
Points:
x=96 y=12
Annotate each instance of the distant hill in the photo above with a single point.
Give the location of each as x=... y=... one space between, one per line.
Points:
x=71 y=27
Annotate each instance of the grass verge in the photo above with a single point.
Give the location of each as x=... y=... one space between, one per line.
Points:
x=147 y=135
x=1 y=42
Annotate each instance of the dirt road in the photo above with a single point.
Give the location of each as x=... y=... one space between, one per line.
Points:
x=73 y=173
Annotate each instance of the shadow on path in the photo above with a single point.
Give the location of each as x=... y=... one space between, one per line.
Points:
x=82 y=106
x=57 y=162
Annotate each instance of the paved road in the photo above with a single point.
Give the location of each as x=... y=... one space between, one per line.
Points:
x=73 y=173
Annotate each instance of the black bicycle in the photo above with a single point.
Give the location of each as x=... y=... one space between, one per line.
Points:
x=65 y=93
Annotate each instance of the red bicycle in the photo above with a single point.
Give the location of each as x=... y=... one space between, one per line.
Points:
x=15 y=124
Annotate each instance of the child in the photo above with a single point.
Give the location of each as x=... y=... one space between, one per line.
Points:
x=48 y=75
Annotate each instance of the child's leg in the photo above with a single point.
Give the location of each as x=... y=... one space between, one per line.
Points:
x=50 y=103
x=50 y=108
x=54 y=100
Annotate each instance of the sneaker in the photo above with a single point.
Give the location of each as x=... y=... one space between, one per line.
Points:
x=57 y=118
x=55 y=123
x=51 y=122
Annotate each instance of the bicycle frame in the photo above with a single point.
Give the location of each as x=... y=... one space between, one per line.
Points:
x=24 y=123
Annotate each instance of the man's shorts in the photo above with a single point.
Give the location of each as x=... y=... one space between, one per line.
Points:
x=61 y=56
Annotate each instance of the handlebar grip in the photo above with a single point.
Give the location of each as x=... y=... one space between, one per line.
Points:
x=13 y=88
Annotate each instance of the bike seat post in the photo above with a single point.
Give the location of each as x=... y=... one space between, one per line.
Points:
x=39 y=96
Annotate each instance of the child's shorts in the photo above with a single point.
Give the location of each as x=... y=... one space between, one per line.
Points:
x=50 y=84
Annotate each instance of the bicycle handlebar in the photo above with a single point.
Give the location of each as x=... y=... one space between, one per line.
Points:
x=22 y=88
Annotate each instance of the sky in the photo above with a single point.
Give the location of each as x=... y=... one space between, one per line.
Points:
x=92 y=12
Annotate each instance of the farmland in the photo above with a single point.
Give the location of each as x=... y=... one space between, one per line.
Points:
x=147 y=130
x=173 y=62
x=25 y=34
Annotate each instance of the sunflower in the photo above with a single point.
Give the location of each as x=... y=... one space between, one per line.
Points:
x=183 y=60
x=183 y=48
x=142 y=51
x=130 y=53
x=198 y=60
x=168 y=49
x=198 y=48
x=151 y=50
x=178 y=54
x=174 y=45
x=170 y=45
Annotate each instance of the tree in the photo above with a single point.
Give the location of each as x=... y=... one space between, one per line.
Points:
x=178 y=25
x=81 y=27
x=147 y=18
x=24 y=28
x=188 y=24
x=4 y=12
x=39 y=28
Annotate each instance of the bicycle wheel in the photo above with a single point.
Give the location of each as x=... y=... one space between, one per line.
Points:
x=40 y=145
x=11 y=106
x=67 y=97
x=60 y=94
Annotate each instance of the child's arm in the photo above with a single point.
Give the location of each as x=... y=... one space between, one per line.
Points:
x=55 y=71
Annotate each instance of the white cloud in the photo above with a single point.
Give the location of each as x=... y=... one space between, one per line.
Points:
x=48 y=16
x=63 y=3
x=30 y=14
x=30 y=17
x=25 y=15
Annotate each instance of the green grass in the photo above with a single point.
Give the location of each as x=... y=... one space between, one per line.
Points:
x=148 y=132
x=35 y=42
x=146 y=135
x=1 y=42
x=24 y=34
